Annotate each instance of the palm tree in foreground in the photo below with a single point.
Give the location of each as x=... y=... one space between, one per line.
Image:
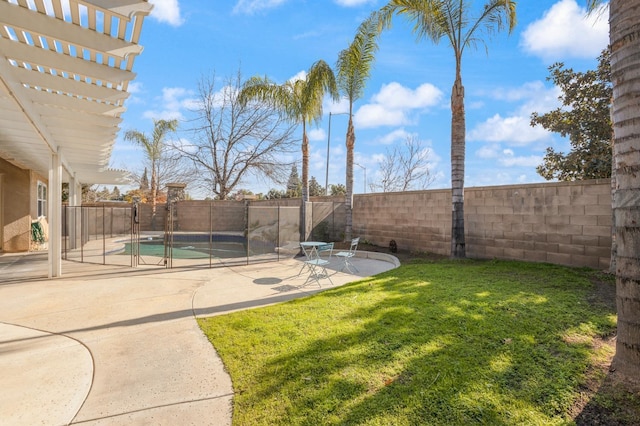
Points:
x=153 y=149
x=354 y=68
x=450 y=19
x=624 y=20
x=301 y=101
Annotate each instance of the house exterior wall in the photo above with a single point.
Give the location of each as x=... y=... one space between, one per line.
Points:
x=34 y=178
x=16 y=207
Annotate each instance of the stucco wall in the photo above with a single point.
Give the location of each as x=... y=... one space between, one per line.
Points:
x=16 y=205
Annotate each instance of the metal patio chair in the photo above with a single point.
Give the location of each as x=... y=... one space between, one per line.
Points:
x=347 y=255
x=317 y=265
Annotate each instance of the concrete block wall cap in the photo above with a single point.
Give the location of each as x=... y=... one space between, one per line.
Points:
x=374 y=255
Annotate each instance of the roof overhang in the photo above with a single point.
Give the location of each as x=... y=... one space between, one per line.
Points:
x=65 y=67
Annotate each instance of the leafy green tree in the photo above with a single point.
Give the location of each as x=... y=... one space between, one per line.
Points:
x=315 y=189
x=275 y=194
x=338 y=189
x=241 y=194
x=585 y=118
x=301 y=101
x=89 y=193
x=294 y=185
x=459 y=23
x=144 y=180
x=136 y=194
x=154 y=147
x=354 y=69
x=115 y=194
x=104 y=194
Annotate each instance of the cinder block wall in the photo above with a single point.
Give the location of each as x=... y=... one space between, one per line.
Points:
x=417 y=221
x=147 y=221
x=566 y=223
x=201 y=216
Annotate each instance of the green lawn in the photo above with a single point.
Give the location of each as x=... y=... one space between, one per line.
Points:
x=429 y=343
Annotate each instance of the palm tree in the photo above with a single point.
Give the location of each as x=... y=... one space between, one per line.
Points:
x=153 y=149
x=450 y=19
x=301 y=101
x=354 y=68
x=624 y=19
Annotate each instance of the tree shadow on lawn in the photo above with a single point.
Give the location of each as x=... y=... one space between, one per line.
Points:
x=504 y=344
x=615 y=401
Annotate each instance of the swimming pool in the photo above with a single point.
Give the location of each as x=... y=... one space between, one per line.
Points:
x=199 y=247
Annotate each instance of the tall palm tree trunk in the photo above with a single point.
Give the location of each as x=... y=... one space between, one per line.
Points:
x=624 y=23
x=305 y=183
x=457 y=167
x=154 y=194
x=351 y=142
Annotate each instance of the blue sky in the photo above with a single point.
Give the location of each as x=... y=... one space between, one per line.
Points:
x=407 y=94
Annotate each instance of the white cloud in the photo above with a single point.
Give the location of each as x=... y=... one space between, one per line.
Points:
x=396 y=96
x=167 y=11
x=340 y=107
x=396 y=135
x=566 y=31
x=521 y=161
x=173 y=101
x=374 y=115
x=528 y=90
x=249 y=7
x=186 y=145
x=134 y=87
x=488 y=151
x=302 y=75
x=392 y=104
x=507 y=157
x=352 y=3
x=514 y=130
x=317 y=135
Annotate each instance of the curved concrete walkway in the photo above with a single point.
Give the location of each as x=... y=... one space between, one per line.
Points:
x=120 y=346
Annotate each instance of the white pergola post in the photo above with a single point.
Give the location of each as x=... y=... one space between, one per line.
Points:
x=55 y=215
x=75 y=191
x=65 y=68
x=73 y=216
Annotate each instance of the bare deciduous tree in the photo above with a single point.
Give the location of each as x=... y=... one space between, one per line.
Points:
x=404 y=168
x=170 y=167
x=232 y=140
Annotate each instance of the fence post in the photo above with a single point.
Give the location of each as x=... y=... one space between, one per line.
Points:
x=104 y=237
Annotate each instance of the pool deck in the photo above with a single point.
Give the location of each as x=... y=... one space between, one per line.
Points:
x=119 y=346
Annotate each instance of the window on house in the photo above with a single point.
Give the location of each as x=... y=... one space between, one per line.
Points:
x=42 y=199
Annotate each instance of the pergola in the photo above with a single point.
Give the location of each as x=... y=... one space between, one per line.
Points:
x=65 y=67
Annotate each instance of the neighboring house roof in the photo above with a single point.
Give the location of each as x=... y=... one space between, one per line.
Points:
x=65 y=67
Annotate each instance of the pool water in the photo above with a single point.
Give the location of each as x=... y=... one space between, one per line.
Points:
x=190 y=250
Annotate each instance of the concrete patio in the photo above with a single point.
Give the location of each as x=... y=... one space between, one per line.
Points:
x=116 y=345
